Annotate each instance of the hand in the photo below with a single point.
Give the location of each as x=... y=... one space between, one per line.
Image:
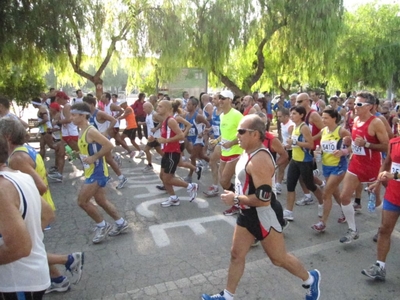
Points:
x=385 y=176
x=89 y=160
x=347 y=141
x=359 y=141
x=290 y=142
x=213 y=142
x=337 y=153
x=161 y=140
x=151 y=138
x=227 y=197
x=227 y=145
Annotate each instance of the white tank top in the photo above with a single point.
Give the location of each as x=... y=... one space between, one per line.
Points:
x=285 y=131
x=150 y=126
x=108 y=111
x=69 y=129
x=29 y=273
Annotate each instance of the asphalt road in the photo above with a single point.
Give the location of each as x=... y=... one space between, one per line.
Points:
x=181 y=252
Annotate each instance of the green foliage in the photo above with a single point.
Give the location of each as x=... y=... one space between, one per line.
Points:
x=368 y=53
x=21 y=86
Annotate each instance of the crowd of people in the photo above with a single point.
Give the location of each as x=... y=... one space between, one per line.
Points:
x=249 y=144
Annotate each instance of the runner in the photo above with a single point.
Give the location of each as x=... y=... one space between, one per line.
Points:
x=369 y=139
x=230 y=150
x=170 y=136
x=334 y=163
x=93 y=147
x=254 y=180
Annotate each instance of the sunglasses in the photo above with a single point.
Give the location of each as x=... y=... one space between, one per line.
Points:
x=242 y=131
x=222 y=98
x=361 y=104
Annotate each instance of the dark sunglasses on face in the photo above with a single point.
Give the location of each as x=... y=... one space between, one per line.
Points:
x=221 y=98
x=360 y=104
x=242 y=131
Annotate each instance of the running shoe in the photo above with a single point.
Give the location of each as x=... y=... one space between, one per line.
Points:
x=160 y=187
x=375 y=272
x=232 y=211
x=349 y=237
x=193 y=191
x=56 y=176
x=52 y=169
x=211 y=192
x=199 y=170
x=141 y=154
x=319 y=227
x=148 y=168
x=278 y=189
x=122 y=183
x=101 y=233
x=357 y=207
x=305 y=201
x=219 y=296
x=117 y=229
x=288 y=215
x=170 y=202
x=314 y=290
x=76 y=266
x=341 y=219
x=63 y=286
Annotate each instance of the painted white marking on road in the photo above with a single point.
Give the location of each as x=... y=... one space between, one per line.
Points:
x=162 y=240
x=143 y=208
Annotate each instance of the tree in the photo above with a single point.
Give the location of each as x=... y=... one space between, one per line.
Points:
x=368 y=53
x=236 y=40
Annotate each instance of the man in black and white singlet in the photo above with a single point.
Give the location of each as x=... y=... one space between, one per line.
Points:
x=23 y=261
x=253 y=193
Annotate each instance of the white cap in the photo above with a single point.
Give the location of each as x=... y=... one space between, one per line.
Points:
x=227 y=94
x=261 y=95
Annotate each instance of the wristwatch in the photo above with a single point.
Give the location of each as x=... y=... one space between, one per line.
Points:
x=367 y=144
x=396 y=175
x=236 y=200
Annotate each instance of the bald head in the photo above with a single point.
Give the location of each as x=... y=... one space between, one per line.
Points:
x=303 y=99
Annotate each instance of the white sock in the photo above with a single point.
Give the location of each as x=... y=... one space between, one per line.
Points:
x=173 y=197
x=277 y=185
x=309 y=281
x=348 y=211
x=228 y=295
x=101 y=224
x=381 y=264
x=308 y=195
x=189 y=187
x=121 y=177
x=120 y=221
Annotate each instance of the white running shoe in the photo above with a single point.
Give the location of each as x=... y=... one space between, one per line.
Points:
x=193 y=191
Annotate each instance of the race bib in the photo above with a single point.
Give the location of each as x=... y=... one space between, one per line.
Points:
x=192 y=132
x=395 y=168
x=328 y=146
x=357 y=150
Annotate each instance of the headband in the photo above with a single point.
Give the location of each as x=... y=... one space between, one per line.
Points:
x=79 y=112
